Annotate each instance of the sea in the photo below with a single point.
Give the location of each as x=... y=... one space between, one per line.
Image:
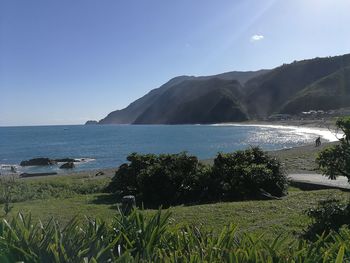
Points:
x=107 y=146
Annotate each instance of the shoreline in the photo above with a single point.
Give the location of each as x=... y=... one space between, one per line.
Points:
x=316 y=127
x=299 y=159
x=323 y=132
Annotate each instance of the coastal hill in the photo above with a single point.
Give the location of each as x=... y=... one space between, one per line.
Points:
x=300 y=86
x=135 y=112
x=313 y=84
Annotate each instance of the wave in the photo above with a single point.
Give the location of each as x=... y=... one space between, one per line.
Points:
x=322 y=132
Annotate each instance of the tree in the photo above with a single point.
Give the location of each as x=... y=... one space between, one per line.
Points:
x=335 y=160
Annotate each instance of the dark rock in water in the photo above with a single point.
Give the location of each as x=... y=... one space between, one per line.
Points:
x=91 y=123
x=38 y=161
x=68 y=165
x=67 y=160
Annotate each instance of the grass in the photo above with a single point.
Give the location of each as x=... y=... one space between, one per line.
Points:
x=64 y=197
x=271 y=217
x=56 y=186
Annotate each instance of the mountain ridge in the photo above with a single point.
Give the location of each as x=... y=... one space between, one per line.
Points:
x=241 y=95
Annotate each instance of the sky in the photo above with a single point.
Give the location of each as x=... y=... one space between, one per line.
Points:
x=66 y=62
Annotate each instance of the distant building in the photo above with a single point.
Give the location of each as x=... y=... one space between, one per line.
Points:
x=279 y=117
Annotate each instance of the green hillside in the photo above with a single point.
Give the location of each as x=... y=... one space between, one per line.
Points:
x=330 y=92
x=197 y=101
x=267 y=93
x=313 y=84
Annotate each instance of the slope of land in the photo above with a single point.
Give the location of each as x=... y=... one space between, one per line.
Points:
x=273 y=217
x=314 y=84
x=188 y=86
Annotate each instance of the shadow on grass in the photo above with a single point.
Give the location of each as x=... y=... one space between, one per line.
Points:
x=107 y=199
x=312 y=187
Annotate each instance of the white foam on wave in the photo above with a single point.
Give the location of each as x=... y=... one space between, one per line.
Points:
x=322 y=132
x=84 y=160
x=9 y=169
x=8 y=166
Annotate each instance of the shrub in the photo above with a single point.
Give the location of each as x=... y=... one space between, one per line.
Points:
x=335 y=160
x=165 y=179
x=329 y=215
x=170 y=179
x=246 y=174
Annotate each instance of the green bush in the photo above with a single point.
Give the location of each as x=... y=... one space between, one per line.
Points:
x=329 y=215
x=246 y=174
x=135 y=238
x=171 y=179
x=165 y=179
x=335 y=160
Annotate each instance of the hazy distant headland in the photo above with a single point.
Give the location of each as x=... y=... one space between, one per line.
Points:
x=313 y=84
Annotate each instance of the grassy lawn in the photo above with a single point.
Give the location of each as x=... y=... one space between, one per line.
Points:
x=271 y=217
x=64 y=197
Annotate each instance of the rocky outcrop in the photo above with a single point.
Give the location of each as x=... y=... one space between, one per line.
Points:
x=38 y=162
x=67 y=160
x=91 y=122
x=69 y=165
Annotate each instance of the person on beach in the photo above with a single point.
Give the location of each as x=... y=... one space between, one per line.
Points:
x=318 y=142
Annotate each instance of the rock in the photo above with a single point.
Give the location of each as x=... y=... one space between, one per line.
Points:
x=91 y=122
x=67 y=160
x=38 y=161
x=68 y=165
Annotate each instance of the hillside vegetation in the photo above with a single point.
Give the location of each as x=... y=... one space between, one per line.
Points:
x=314 y=84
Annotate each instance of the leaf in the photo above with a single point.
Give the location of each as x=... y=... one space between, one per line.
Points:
x=340 y=255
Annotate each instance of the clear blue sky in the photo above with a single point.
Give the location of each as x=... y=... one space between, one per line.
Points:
x=64 y=62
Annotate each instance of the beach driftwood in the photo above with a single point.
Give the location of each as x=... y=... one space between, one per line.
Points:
x=128 y=204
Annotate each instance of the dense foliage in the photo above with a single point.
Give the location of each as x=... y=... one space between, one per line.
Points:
x=170 y=179
x=329 y=215
x=161 y=179
x=247 y=174
x=335 y=160
x=135 y=238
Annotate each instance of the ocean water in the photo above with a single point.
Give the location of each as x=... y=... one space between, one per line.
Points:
x=108 y=146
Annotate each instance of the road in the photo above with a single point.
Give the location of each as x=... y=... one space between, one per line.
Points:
x=318 y=179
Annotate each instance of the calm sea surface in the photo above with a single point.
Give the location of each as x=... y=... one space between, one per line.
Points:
x=108 y=146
